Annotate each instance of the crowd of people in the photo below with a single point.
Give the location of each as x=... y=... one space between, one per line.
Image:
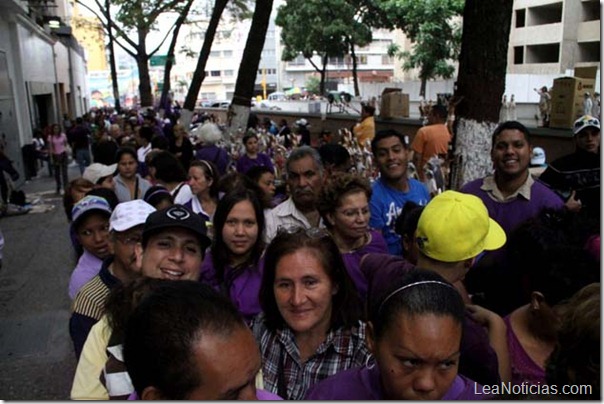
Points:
x=256 y=266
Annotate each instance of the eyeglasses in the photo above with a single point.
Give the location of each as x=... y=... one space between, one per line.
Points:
x=130 y=239
x=311 y=232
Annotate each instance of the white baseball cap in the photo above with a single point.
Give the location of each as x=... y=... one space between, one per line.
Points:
x=96 y=171
x=538 y=157
x=127 y=215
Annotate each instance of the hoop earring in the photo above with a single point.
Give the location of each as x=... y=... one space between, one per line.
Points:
x=369 y=358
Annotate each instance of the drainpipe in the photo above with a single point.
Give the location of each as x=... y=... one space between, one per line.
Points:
x=56 y=86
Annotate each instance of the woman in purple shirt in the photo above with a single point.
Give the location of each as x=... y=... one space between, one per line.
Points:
x=414 y=333
x=234 y=263
x=252 y=156
x=344 y=207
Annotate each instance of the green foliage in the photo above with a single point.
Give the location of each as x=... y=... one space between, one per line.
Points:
x=324 y=27
x=312 y=84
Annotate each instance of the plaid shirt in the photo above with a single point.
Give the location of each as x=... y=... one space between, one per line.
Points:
x=342 y=349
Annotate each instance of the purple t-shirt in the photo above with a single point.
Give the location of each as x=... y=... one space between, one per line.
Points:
x=87 y=268
x=364 y=384
x=216 y=155
x=352 y=260
x=245 y=163
x=524 y=369
x=516 y=211
x=244 y=289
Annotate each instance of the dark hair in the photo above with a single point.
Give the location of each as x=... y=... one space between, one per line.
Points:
x=384 y=134
x=346 y=306
x=439 y=111
x=254 y=174
x=368 y=109
x=576 y=357
x=156 y=195
x=235 y=180
x=335 y=189
x=125 y=150
x=164 y=330
x=68 y=201
x=303 y=151
x=106 y=193
x=160 y=142
x=510 y=125
x=334 y=155
x=146 y=132
x=210 y=171
x=248 y=136
x=220 y=252
x=406 y=222
x=168 y=167
x=441 y=299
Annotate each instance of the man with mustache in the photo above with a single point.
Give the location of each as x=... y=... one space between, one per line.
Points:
x=305 y=178
x=125 y=231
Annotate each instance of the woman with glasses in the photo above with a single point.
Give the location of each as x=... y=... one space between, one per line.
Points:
x=344 y=207
x=234 y=263
x=311 y=324
x=414 y=333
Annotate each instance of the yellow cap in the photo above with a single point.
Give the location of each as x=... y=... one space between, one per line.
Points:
x=455 y=226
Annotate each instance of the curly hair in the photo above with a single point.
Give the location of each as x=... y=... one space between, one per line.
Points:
x=336 y=188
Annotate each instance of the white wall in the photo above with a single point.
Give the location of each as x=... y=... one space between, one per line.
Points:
x=38 y=64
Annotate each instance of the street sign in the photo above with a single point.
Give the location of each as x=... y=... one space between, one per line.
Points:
x=158 y=60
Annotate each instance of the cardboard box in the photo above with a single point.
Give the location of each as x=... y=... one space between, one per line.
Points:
x=394 y=103
x=567 y=100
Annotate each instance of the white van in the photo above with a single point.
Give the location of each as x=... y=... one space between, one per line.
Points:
x=276 y=96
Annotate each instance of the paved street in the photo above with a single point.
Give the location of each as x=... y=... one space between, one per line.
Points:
x=36 y=355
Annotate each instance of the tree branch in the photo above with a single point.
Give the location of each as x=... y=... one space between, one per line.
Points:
x=163 y=40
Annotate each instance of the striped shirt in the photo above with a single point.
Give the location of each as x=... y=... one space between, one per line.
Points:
x=282 y=366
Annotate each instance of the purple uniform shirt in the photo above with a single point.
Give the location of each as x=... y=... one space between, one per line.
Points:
x=244 y=289
x=245 y=163
x=364 y=384
x=87 y=268
x=352 y=260
x=514 y=212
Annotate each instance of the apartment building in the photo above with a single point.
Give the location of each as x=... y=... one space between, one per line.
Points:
x=553 y=36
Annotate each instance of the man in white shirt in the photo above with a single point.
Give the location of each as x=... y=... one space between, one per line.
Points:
x=305 y=178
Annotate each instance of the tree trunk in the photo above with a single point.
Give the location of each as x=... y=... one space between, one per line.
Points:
x=422 y=88
x=114 y=83
x=170 y=61
x=142 y=62
x=355 y=76
x=323 y=74
x=239 y=109
x=204 y=53
x=481 y=82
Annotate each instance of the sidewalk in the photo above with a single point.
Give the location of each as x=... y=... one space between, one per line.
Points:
x=37 y=361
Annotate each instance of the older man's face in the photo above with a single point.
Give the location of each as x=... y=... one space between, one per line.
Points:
x=305 y=181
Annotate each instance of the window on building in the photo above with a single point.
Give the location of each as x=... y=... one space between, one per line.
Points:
x=207 y=96
x=590 y=10
x=589 y=52
x=300 y=60
x=546 y=14
x=518 y=55
x=547 y=53
x=229 y=73
x=387 y=60
x=214 y=54
x=337 y=61
x=227 y=53
x=215 y=73
x=520 y=18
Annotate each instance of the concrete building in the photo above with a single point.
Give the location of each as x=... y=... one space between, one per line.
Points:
x=553 y=36
x=42 y=71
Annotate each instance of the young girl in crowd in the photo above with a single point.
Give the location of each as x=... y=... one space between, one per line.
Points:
x=344 y=207
x=265 y=179
x=234 y=264
x=203 y=180
x=91 y=228
x=252 y=156
x=128 y=183
x=414 y=333
x=311 y=324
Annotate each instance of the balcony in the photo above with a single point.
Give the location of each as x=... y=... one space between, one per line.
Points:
x=588 y=31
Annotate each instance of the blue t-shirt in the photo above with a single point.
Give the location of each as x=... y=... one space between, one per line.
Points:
x=387 y=204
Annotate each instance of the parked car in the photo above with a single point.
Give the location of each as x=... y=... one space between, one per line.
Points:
x=277 y=96
x=265 y=104
x=220 y=104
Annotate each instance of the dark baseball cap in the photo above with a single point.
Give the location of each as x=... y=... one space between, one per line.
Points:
x=176 y=216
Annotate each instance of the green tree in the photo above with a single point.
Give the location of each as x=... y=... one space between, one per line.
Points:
x=429 y=24
x=139 y=18
x=312 y=84
x=324 y=28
